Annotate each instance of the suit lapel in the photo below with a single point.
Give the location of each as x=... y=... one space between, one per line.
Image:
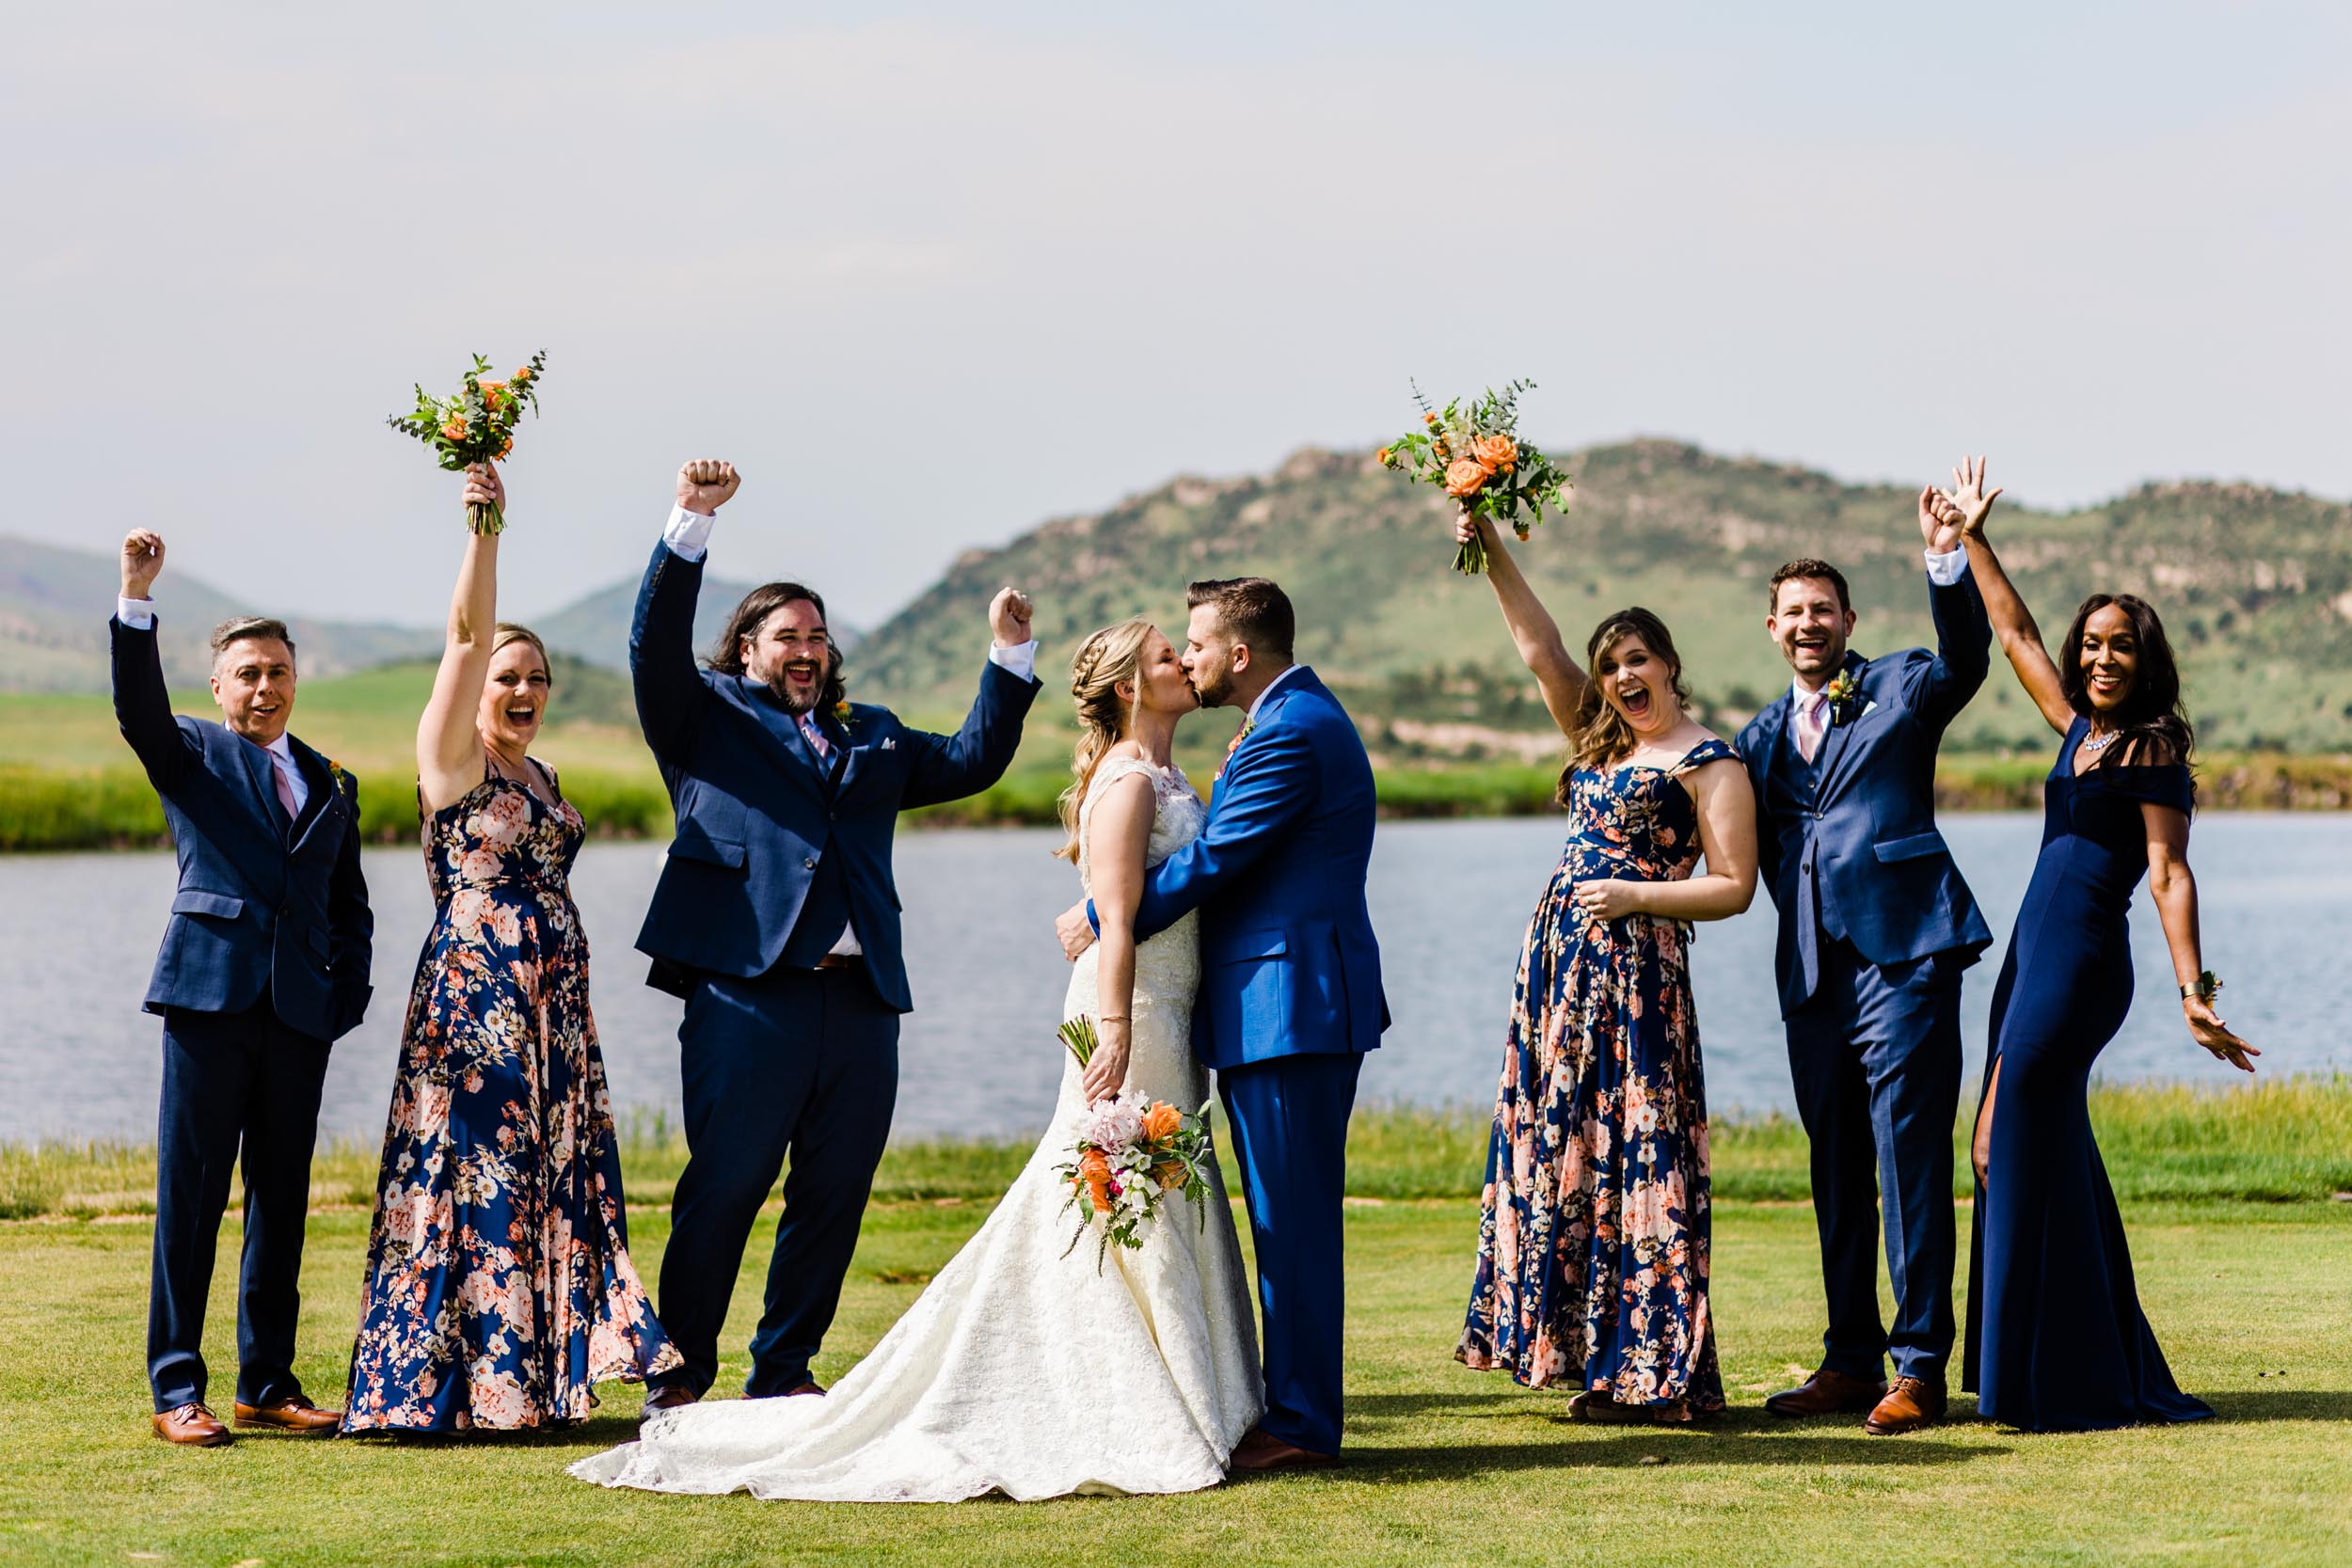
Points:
x=1836 y=741
x=786 y=748
x=260 y=777
x=327 y=798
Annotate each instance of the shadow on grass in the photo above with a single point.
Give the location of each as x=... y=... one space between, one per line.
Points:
x=2282 y=1404
x=1793 y=1448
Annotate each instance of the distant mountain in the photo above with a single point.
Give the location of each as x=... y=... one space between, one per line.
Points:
x=2255 y=586
x=54 y=604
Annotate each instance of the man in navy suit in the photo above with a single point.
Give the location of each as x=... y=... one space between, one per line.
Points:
x=263 y=966
x=776 y=918
x=1875 y=927
x=1290 y=993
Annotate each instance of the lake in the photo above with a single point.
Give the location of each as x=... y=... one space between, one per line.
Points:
x=1450 y=901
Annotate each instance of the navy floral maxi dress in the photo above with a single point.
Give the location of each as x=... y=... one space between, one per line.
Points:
x=1593 y=1243
x=499 y=1285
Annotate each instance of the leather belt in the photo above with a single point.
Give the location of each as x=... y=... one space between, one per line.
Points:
x=838 y=960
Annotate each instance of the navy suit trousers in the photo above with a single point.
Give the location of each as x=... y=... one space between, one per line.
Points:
x=232 y=1082
x=1875 y=1053
x=1288 y=1118
x=798 y=1063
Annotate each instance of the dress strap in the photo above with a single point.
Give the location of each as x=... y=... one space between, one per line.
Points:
x=1111 y=770
x=1713 y=748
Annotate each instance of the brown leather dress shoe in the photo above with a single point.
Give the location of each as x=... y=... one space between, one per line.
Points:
x=294 y=1414
x=1827 y=1393
x=668 y=1397
x=1260 y=1451
x=191 y=1425
x=809 y=1388
x=1910 y=1405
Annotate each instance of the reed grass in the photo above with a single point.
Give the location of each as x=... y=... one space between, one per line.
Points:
x=2283 y=1141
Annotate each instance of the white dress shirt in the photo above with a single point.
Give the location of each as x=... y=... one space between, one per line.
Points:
x=139 y=615
x=688 y=536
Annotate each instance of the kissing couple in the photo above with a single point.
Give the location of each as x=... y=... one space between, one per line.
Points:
x=1233 y=936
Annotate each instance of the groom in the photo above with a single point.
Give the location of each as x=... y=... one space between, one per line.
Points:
x=777 y=919
x=1875 y=927
x=1290 y=993
x=263 y=966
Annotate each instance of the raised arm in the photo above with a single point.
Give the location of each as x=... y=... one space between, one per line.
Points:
x=1118 y=835
x=1938 y=688
x=2173 y=887
x=662 y=672
x=142 y=703
x=950 y=767
x=1269 y=784
x=449 y=735
x=1967 y=505
x=1532 y=630
x=1726 y=811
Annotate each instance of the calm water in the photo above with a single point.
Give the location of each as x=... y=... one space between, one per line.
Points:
x=1450 y=899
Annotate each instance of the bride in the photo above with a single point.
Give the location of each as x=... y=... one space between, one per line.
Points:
x=1024 y=1368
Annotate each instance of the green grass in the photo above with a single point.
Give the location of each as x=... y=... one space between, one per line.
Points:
x=1443 y=1465
x=2286 y=1140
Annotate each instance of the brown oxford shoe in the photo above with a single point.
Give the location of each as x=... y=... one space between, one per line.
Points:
x=294 y=1414
x=1260 y=1451
x=808 y=1388
x=1912 y=1404
x=669 y=1397
x=1828 y=1393
x=191 y=1425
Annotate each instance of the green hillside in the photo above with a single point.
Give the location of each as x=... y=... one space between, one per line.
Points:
x=2255 y=585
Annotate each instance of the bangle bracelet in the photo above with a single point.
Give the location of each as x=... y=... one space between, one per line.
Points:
x=1112 y=1018
x=2203 y=988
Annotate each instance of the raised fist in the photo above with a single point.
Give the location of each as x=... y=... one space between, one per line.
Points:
x=142 y=561
x=705 y=485
x=1008 y=617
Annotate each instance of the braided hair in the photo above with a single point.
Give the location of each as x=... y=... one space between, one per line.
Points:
x=1105 y=661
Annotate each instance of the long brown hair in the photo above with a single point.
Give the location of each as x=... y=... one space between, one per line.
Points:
x=1602 y=734
x=2153 y=719
x=1103 y=661
x=727 y=655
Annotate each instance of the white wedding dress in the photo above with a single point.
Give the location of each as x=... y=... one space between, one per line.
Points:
x=1022 y=1369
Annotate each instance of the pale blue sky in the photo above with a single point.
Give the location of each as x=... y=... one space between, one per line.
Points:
x=931 y=274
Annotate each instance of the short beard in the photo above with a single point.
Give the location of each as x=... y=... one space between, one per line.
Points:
x=793 y=704
x=1211 y=696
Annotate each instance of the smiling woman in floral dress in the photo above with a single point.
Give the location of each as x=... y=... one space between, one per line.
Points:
x=499 y=1285
x=1593 y=1243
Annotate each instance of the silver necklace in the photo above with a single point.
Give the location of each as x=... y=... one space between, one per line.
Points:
x=2097 y=743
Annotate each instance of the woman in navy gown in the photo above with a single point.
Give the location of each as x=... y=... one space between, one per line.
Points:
x=2056 y=1341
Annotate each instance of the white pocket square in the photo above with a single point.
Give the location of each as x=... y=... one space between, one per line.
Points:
x=1867 y=709
x=890 y=743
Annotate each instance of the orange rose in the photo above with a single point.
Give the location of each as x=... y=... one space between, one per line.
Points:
x=454 y=430
x=1094 y=1169
x=1162 y=1120
x=521 y=375
x=506 y=446
x=1465 y=476
x=1384 y=454
x=1499 y=452
x=1429 y=419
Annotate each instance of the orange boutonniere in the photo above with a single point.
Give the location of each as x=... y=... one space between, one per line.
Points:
x=1842 y=694
x=841 y=715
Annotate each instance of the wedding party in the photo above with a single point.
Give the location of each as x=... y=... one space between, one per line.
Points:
x=1111 y=862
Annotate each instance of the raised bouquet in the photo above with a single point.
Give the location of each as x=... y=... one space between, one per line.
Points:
x=1471 y=448
x=1128 y=1157
x=475 y=426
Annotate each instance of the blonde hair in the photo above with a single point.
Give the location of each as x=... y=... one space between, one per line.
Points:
x=509 y=632
x=1103 y=661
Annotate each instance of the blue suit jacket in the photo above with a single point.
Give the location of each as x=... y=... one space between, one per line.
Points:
x=1288 y=965
x=1848 y=844
x=260 y=909
x=757 y=815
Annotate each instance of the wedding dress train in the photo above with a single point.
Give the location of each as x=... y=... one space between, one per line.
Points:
x=1023 y=1369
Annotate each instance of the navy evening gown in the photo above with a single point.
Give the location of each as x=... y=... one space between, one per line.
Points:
x=2056 y=1341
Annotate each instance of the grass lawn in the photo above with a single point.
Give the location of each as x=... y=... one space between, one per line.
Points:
x=2253 y=1303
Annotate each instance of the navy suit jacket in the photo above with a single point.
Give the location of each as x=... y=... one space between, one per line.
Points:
x=758 y=814
x=1848 y=844
x=1289 y=964
x=261 y=910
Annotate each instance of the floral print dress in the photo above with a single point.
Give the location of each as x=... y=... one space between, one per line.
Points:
x=1593 y=1238
x=498 y=1284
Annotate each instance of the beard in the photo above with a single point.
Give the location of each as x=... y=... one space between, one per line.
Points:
x=1210 y=688
x=796 y=701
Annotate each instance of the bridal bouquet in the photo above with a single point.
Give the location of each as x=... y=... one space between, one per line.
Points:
x=475 y=426
x=1472 y=447
x=1127 y=1157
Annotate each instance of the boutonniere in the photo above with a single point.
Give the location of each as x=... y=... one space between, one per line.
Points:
x=841 y=715
x=1844 y=692
x=335 y=771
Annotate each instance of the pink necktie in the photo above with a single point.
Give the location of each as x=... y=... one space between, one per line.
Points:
x=816 y=738
x=1809 y=726
x=285 y=788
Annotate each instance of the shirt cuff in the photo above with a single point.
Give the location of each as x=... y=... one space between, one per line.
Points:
x=1019 y=659
x=687 y=533
x=1946 y=570
x=139 y=614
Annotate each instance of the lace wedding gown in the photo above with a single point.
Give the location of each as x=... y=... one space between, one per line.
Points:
x=1022 y=1369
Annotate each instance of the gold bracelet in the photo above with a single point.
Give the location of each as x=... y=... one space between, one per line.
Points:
x=1114 y=1018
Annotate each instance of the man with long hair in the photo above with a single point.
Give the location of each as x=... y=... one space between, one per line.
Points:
x=776 y=918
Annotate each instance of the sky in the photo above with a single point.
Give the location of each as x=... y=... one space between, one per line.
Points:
x=931 y=275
